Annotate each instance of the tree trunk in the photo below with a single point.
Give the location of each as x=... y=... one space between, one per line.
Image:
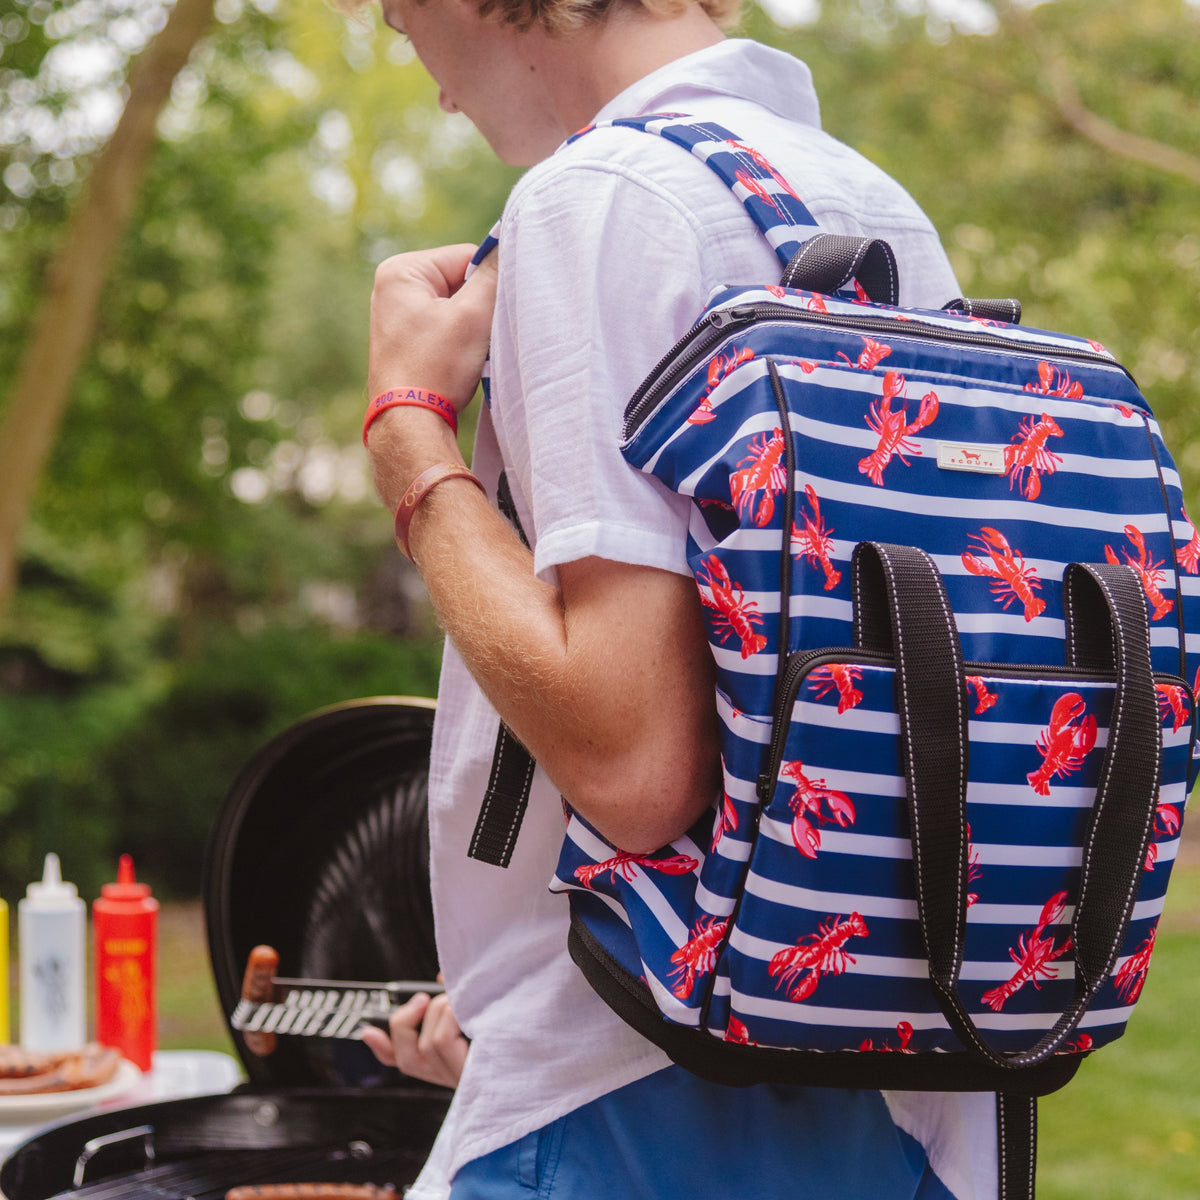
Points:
x=66 y=315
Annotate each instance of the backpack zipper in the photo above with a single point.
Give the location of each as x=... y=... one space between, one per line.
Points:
x=713 y=329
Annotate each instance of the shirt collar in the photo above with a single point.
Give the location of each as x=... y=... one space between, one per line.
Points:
x=736 y=67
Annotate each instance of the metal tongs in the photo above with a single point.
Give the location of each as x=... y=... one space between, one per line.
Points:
x=328 y=1008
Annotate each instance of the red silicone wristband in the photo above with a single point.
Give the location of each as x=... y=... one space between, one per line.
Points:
x=413 y=397
x=419 y=489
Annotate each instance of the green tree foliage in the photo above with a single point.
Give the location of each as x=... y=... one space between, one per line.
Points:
x=205 y=561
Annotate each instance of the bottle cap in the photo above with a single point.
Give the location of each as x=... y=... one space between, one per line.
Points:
x=51 y=886
x=126 y=887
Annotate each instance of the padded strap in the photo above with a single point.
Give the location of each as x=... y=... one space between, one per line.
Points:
x=828 y=262
x=924 y=643
x=766 y=195
x=507 y=795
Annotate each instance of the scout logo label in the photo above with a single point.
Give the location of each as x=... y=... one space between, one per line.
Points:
x=967 y=456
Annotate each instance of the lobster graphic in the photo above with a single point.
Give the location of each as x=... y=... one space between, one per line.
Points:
x=736 y=1031
x=762 y=470
x=815 y=540
x=1027 y=455
x=761 y=162
x=1172 y=703
x=974 y=870
x=983 y=698
x=1033 y=955
x=627 y=864
x=1014 y=580
x=819 y=954
x=755 y=188
x=892 y=427
x=871 y=355
x=806 y=801
x=736 y=615
x=1065 y=743
x=1131 y=975
x=1081 y=1045
x=720 y=366
x=727 y=819
x=697 y=956
x=904 y=1032
x=1054 y=382
x=1166 y=824
x=1149 y=572
x=839 y=677
x=1189 y=556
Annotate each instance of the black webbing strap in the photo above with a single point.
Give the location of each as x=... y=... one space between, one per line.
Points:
x=1016 y=1145
x=829 y=261
x=507 y=795
x=1008 y=310
x=900 y=605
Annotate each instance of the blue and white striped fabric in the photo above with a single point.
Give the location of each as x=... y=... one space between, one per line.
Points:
x=1005 y=453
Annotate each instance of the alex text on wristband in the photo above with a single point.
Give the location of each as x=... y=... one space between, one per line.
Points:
x=413 y=397
x=420 y=488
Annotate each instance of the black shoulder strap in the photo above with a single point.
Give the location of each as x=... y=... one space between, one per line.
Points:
x=507 y=795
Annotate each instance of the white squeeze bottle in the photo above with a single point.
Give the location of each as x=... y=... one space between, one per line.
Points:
x=51 y=926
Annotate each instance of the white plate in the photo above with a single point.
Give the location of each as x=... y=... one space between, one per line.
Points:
x=42 y=1106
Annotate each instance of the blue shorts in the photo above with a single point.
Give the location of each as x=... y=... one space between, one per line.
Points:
x=671 y=1136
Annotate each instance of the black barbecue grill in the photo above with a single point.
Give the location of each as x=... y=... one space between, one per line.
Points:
x=320 y=850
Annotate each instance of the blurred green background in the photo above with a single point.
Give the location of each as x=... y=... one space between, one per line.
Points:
x=202 y=561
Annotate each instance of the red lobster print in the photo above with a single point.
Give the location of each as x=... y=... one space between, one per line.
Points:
x=1149 y=572
x=815 y=540
x=720 y=366
x=1027 y=455
x=807 y=801
x=735 y=614
x=727 y=819
x=697 y=956
x=1014 y=580
x=1131 y=975
x=893 y=429
x=1172 y=703
x=755 y=188
x=736 y=1031
x=983 y=698
x=1081 y=1045
x=871 y=355
x=627 y=864
x=1053 y=382
x=1189 y=556
x=1166 y=824
x=1033 y=955
x=819 y=954
x=761 y=162
x=762 y=470
x=1065 y=743
x=904 y=1032
x=974 y=870
x=839 y=677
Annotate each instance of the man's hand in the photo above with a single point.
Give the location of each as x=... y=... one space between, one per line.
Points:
x=429 y=329
x=426 y=1041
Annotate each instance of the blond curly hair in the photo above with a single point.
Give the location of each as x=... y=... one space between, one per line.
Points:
x=563 y=16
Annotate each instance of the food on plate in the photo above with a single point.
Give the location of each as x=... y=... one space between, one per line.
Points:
x=32 y=1073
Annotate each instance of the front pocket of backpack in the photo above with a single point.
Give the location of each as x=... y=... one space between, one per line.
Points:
x=825 y=950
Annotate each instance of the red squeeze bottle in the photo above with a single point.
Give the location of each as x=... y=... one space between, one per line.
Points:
x=125 y=924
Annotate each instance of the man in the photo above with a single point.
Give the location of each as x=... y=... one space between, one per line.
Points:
x=591 y=645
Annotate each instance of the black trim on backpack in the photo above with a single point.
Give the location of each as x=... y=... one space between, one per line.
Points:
x=1007 y=310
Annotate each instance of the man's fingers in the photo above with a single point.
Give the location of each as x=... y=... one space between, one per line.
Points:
x=379 y=1044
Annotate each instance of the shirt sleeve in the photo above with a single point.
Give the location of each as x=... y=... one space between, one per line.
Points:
x=600 y=273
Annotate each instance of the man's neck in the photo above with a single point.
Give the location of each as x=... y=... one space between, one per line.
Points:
x=581 y=72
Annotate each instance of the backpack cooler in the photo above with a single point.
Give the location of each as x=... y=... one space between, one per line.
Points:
x=952 y=595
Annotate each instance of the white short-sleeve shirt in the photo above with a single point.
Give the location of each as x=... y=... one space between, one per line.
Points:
x=608 y=251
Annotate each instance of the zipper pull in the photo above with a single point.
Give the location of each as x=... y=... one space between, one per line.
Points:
x=723 y=318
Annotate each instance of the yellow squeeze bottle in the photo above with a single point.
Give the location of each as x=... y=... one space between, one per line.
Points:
x=3 y=973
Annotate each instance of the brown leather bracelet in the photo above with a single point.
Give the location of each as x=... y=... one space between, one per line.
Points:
x=419 y=489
